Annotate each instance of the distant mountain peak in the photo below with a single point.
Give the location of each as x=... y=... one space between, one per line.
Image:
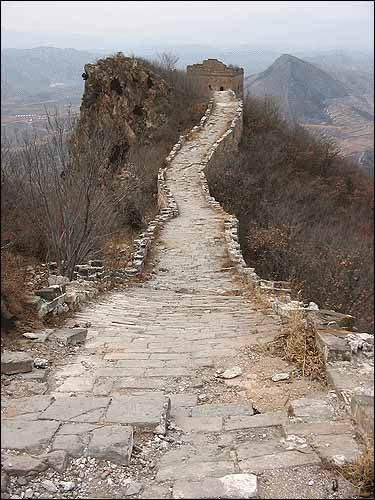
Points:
x=301 y=88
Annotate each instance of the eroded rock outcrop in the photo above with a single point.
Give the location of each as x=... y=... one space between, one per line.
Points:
x=124 y=99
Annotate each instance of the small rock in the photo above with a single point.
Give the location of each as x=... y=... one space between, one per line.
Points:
x=278 y=377
x=20 y=465
x=133 y=488
x=29 y=493
x=233 y=372
x=339 y=459
x=58 y=460
x=49 y=486
x=16 y=362
x=41 y=363
x=4 y=482
x=202 y=397
x=311 y=482
x=67 y=485
x=30 y=335
x=313 y=306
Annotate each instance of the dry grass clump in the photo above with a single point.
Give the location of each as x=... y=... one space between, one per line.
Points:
x=296 y=344
x=117 y=250
x=259 y=299
x=361 y=473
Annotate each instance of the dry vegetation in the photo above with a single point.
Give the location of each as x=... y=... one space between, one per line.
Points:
x=61 y=203
x=361 y=473
x=296 y=344
x=306 y=214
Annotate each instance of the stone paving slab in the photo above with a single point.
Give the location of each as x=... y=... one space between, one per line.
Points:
x=113 y=443
x=194 y=471
x=281 y=460
x=339 y=449
x=76 y=409
x=143 y=410
x=16 y=362
x=269 y=419
x=34 y=405
x=27 y=435
x=199 y=424
x=77 y=384
x=222 y=410
x=190 y=453
x=229 y=486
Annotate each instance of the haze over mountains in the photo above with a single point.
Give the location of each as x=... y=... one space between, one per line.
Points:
x=330 y=92
x=335 y=102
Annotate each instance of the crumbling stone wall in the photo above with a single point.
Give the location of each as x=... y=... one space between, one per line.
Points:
x=215 y=75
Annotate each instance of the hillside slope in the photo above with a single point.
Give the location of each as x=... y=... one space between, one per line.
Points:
x=301 y=88
x=334 y=101
x=27 y=72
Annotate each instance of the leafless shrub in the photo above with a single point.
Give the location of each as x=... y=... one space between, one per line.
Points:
x=296 y=343
x=61 y=185
x=361 y=472
x=306 y=214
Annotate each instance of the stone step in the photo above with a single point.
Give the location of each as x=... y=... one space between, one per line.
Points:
x=333 y=345
x=13 y=362
x=362 y=411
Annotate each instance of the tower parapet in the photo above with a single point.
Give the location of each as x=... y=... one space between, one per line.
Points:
x=215 y=75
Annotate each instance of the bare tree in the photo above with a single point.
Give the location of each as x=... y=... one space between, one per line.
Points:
x=64 y=183
x=167 y=60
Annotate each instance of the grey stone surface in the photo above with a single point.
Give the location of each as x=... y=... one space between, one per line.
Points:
x=27 y=435
x=113 y=443
x=311 y=410
x=4 y=482
x=70 y=336
x=333 y=345
x=72 y=444
x=78 y=409
x=194 y=471
x=222 y=410
x=293 y=458
x=34 y=405
x=190 y=453
x=339 y=449
x=232 y=372
x=143 y=410
x=268 y=419
x=229 y=486
x=320 y=428
x=156 y=491
x=279 y=377
x=21 y=465
x=199 y=424
x=37 y=375
x=133 y=488
x=58 y=460
x=16 y=362
x=362 y=411
x=77 y=384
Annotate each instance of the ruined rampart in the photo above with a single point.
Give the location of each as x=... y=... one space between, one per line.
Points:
x=213 y=75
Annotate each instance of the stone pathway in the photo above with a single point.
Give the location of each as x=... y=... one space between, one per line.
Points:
x=138 y=388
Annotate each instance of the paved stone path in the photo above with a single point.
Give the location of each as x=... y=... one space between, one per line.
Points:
x=149 y=354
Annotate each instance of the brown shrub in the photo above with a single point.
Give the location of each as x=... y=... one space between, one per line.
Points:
x=296 y=343
x=305 y=213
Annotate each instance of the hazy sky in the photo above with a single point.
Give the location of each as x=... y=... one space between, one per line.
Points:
x=344 y=24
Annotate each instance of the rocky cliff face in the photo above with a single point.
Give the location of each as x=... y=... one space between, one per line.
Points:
x=124 y=99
